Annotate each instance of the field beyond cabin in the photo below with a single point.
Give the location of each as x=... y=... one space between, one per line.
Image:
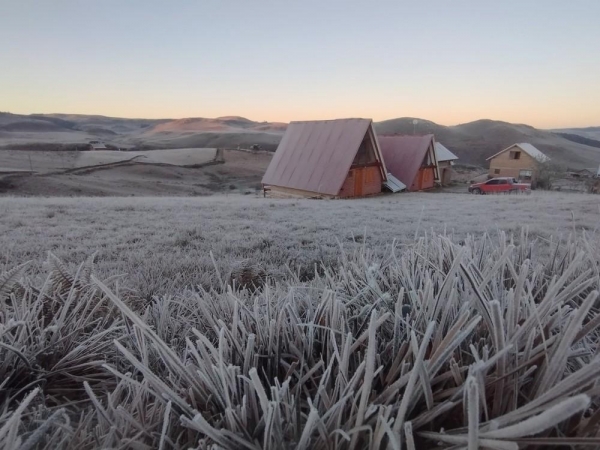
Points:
x=165 y=242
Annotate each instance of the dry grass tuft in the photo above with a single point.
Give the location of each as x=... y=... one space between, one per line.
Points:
x=482 y=344
x=246 y=274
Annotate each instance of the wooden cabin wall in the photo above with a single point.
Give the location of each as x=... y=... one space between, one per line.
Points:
x=362 y=181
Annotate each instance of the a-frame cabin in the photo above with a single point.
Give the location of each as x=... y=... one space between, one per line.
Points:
x=327 y=158
x=411 y=159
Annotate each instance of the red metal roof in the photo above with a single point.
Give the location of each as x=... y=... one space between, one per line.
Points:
x=403 y=155
x=316 y=156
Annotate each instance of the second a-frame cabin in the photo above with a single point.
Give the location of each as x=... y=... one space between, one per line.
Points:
x=411 y=159
x=326 y=158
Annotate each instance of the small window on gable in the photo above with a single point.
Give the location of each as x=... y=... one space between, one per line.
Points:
x=350 y=173
x=365 y=153
x=514 y=155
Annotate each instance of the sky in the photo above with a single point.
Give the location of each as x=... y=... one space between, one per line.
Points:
x=522 y=61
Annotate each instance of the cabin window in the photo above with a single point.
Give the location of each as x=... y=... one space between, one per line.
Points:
x=350 y=173
x=496 y=171
x=365 y=154
x=514 y=155
x=428 y=160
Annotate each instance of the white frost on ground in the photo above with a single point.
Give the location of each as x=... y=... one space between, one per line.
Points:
x=169 y=239
x=477 y=341
x=175 y=156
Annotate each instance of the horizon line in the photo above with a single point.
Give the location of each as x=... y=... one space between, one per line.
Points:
x=288 y=122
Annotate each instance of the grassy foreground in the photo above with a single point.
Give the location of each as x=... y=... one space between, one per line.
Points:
x=164 y=244
x=460 y=344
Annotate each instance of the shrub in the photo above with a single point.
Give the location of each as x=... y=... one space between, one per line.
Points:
x=548 y=173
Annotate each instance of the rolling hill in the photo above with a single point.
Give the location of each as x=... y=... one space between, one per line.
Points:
x=580 y=139
x=72 y=130
x=472 y=142
x=587 y=132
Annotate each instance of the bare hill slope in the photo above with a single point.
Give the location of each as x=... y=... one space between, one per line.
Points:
x=33 y=131
x=587 y=132
x=473 y=142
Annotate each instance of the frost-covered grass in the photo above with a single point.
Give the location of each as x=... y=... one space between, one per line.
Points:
x=165 y=243
x=481 y=343
x=463 y=340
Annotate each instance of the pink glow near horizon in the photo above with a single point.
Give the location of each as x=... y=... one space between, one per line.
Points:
x=523 y=62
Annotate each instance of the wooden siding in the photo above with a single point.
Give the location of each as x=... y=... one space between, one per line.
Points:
x=424 y=179
x=503 y=166
x=372 y=181
x=347 y=189
x=362 y=181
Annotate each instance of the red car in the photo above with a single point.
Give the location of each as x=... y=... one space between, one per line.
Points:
x=499 y=185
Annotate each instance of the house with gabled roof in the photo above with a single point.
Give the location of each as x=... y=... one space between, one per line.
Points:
x=519 y=161
x=327 y=158
x=411 y=159
x=445 y=159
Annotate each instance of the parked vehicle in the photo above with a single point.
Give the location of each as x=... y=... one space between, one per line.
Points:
x=500 y=185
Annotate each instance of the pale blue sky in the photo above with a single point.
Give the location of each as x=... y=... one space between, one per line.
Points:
x=534 y=62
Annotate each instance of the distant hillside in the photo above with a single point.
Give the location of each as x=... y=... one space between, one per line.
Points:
x=472 y=142
x=36 y=130
x=220 y=124
x=219 y=139
x=587 y=132
x=18 y=123
x=580 y=139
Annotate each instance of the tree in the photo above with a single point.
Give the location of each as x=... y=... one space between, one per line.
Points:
x=548 y=172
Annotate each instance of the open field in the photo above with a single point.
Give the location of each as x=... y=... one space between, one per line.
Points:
x=43 y=162
x=355 y=326
x=36 y=161
x=168 y=240
x=175 y=157
x=177 y=172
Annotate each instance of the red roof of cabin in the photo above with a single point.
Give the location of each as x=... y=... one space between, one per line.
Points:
x=403 y=155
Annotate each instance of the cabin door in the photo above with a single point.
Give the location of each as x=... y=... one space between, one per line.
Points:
x=358 y=182
x=427 y=178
